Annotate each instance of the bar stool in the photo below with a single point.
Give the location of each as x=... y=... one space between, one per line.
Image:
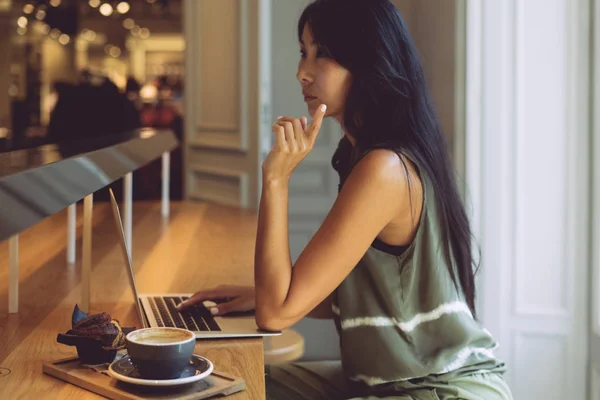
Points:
x=287 y=347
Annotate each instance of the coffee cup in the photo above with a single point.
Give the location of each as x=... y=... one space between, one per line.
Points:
x=160 y=353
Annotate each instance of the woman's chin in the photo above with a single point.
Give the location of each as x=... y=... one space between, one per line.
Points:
x=312 y=109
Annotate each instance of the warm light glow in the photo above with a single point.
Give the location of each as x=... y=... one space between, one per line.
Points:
x=144 y=33
x=41 y=14
x=123 y=7
x=28 y=8
x=135 y=30
x=13 y=90
x=112 y=50
x=106 y=9
x=55 y=3
x=54 y=33
x=64 y=39
x=94 y=3
x=21 y=31
x=148 y=92
x=88 y=35
x=128 y=23
x=147 y=133
x=115 y=51
x=45 y=29
x=22 y=22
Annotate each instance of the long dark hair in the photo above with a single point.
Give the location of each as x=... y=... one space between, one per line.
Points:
x=389 y=106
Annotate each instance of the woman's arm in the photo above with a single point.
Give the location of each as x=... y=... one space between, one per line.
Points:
x=323 y=310
x=370 y=198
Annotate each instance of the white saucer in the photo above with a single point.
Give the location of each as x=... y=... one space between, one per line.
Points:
x=124 y=371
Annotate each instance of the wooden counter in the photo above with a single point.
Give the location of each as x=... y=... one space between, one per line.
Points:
x=199 y=246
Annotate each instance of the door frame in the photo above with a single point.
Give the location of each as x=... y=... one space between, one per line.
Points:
x=594 y=370
x=498 y=283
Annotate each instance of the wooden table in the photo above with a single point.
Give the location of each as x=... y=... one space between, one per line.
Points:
x=199 y=246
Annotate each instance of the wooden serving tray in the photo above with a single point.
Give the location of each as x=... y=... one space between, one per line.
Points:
x=97 y=381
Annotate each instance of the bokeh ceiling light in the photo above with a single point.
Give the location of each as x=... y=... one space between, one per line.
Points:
x=40 y=14
x=28 y=8
x=123 y=7
x=114 y=51
x=106 y=9
x=22 y=22
x=128 y=23
x=144 y=33
x=88 y=35
x=64 y=39
x=94 y=3
x=55 y=3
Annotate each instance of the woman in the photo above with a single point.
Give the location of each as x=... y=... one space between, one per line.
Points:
x=392 y=262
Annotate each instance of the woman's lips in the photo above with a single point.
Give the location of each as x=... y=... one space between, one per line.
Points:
x=308 y=99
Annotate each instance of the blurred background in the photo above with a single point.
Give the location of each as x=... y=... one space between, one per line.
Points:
x=75 y=69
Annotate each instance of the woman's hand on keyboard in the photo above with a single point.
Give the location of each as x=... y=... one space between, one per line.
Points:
x=239 y=299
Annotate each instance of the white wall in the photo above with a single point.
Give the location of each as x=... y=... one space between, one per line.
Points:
x=432 y=24
x=528 y=173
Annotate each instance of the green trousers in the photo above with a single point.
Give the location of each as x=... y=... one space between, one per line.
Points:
x=324 y=380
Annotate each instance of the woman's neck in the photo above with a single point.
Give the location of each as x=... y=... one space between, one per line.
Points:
x=339 y=119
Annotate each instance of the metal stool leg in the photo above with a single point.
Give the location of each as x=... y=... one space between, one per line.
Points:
x=86 y=253
x=13 y=274
x=128 y=211
x=166 y=161
x=71 y=232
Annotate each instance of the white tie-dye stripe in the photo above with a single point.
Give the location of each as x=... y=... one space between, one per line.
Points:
x=335 y=309
x=375 y=380
x=410 y=325
x=463 y=356
x=460 y=360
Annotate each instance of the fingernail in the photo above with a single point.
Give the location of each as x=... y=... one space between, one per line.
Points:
x=214 y=310
x=323 y=108
x=278 y=118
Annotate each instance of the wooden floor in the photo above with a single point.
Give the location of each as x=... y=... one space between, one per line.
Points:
x=198 y=246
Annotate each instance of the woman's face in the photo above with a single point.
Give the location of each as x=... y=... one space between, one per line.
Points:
x=323 y=80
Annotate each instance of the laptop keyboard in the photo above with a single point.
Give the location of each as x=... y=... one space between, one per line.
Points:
x=194 y=318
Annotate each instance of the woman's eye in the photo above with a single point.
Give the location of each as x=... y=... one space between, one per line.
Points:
x=320 y=53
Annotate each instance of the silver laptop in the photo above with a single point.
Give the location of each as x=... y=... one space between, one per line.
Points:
x=157 y=310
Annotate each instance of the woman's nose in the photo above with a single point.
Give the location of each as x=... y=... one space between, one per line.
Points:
x=304 y=75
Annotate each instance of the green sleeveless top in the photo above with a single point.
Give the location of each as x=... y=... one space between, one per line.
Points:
x=400 y=318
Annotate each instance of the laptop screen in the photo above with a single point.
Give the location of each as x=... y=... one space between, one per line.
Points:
x=126 y=255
